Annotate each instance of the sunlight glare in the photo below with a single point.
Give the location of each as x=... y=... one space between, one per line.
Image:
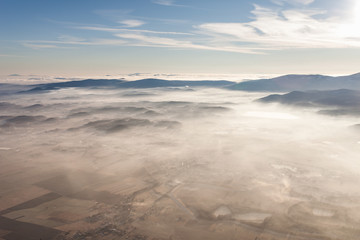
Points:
x=352 y=26
x=357 y=13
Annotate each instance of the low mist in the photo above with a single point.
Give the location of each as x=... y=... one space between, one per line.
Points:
x=176 y=163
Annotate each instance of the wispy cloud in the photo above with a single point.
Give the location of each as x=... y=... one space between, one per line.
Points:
x=138 y=39
x=169 y=3
x=132 y=23
x=149 y=38
x=302 y=2
x=111 y=29
x=164 y=2
x=153 y=40
x=306 y=2
x=269 y=29
x=38 y=45
x=276 y=30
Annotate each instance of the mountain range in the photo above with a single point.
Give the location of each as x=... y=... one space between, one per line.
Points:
x=288 y=83
x=339 y=98
x=115 y=83
x=333 y=102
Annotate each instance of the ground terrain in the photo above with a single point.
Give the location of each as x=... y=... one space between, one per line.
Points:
x=174 y=163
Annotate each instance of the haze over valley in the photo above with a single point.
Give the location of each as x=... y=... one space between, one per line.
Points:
x=89 y=160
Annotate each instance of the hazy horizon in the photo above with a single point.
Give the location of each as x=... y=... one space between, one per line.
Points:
x=41 y=78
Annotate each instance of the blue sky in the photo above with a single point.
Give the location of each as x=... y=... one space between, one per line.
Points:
x=179 y=36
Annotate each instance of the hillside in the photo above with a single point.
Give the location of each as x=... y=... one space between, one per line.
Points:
x=288 y=83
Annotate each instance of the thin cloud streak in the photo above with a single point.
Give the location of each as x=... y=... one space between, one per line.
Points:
x=55 y=44
x=152 y=41
x=168 y=3
x=110 y=29
x=37 y=45
x=136 y=39
x=164 y=2
x=132 y=23
x=282 y=2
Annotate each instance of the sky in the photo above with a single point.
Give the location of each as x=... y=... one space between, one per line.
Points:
x=65 y=37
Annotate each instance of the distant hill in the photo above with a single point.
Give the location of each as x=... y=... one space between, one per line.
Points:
x=290 y=83
x=6 y=88
x=115 y=83
x=334 y=102
x=153 y=83
x=341 y=98
x=77 y=84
